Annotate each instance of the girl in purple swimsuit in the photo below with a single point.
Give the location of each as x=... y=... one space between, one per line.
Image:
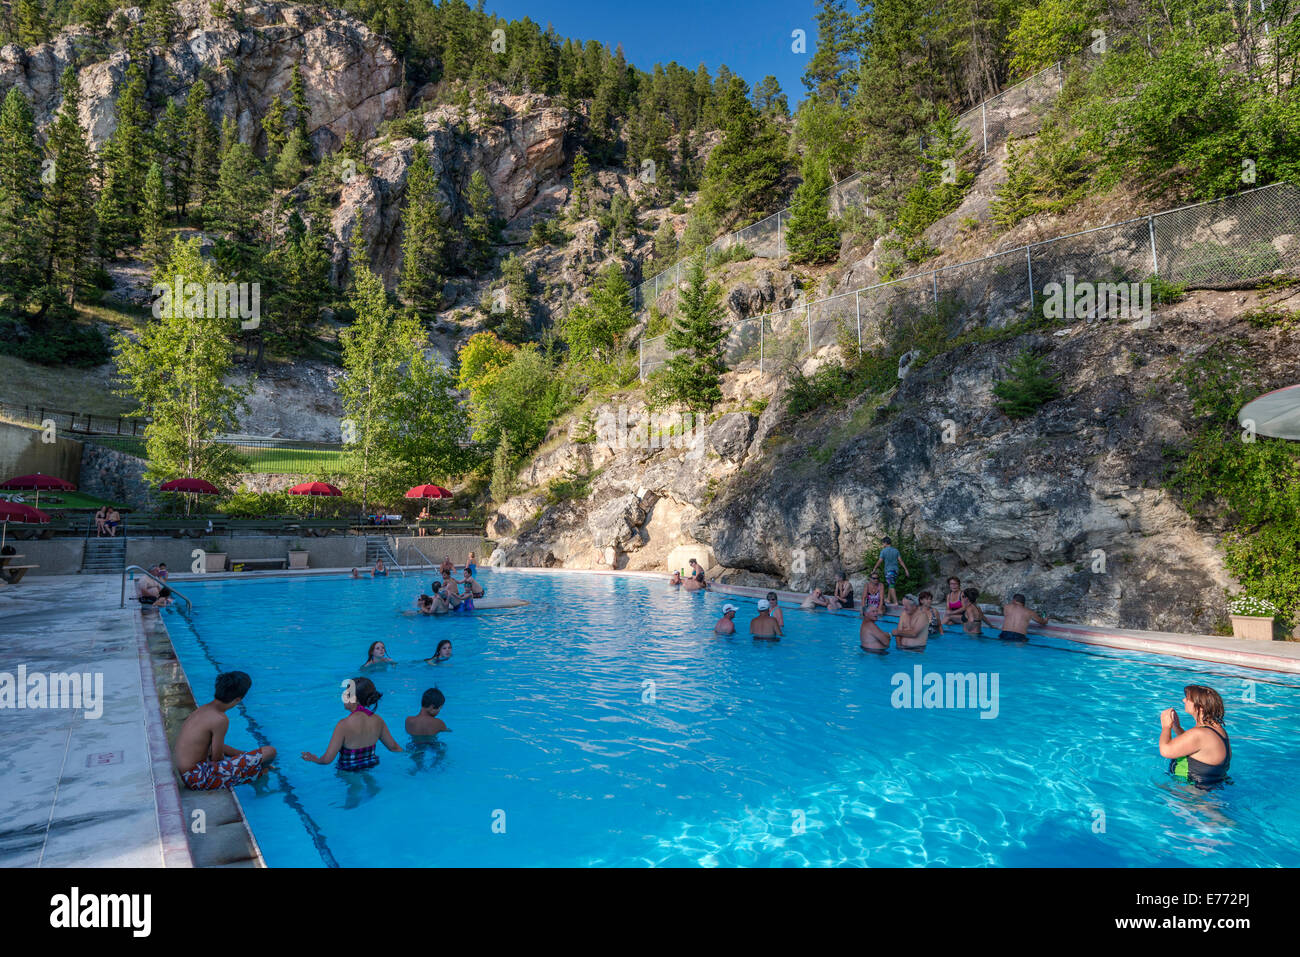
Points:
x=355 y=737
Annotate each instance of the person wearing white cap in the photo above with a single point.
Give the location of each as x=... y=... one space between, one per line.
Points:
x=765 y=626
x=726 y=624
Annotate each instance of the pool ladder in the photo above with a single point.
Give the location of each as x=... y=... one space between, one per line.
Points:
x=189 y=605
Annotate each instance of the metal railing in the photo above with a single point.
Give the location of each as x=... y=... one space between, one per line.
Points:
x=410 y=547
x=189 y=605
x=1220 y=244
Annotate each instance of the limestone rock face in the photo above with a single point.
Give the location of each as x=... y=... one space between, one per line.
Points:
x=353 y=79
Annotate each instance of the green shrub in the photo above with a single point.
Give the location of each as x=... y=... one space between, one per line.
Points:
x=920 y=566
x=1027 y=387
x=67 y=344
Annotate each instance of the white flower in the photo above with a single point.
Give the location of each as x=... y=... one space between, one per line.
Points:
x=1252 y=607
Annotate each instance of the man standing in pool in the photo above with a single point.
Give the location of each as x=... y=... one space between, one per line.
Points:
x=1016 y=618
x=726 y=625
x=891 y=558
x=913 y=625
x=204 y=760
x=765 y=626
x=870 y=636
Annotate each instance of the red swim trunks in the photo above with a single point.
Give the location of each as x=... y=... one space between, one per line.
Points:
x=226 y=773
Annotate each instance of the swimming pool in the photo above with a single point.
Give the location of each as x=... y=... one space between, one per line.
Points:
x=606 y=725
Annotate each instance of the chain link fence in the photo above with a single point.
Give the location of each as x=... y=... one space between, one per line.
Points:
x=1016 y=111
x=1234 y=242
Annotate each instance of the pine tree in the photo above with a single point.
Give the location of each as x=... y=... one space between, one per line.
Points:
x=300 y=267
x=293 y=161
x=67 y=204
x=169 y=135
x=480 y=227
x=596 y=330
x=424 y=237
x=693 y=375
x=831 y=70
x=769 y=99
x=31 y=23
x=744 y=171
x=20 y=193
x=155 y=215
x=273 y=126
x=238 y=207
x=811 y=235
x=1028 y=385
x=665 y=241
x=581 y=184
x=202 y=151
x=124 y=167
x=301 y=111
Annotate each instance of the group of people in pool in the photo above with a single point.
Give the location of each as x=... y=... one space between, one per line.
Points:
x=207 y=763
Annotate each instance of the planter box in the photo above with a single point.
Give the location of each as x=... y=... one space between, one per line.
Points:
x=214 y=562
x=298 y=559
x=1249 y=626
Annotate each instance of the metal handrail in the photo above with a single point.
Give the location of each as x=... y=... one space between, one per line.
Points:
x=189 y=605
x=410 y=546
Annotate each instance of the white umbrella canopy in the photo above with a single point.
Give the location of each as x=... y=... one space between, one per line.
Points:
x=1275 y=414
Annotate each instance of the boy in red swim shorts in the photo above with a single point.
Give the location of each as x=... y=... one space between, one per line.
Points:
x=204 y=760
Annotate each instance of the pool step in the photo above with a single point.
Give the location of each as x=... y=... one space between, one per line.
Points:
x=103 y=556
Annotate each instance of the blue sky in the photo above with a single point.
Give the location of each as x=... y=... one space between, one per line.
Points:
x=752 y=38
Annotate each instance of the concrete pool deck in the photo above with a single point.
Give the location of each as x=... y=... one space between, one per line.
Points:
x=101 y=792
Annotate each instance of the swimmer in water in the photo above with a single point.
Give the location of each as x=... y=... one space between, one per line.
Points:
x=931 y=613
x=380 y=570
x=972 y=616
x=355 y=573
x=912 y=630
x=775 y=608
x=765 y=626
x=870 y=636
x=726 y=625
x=1016 y=618
x=954 y=604
x=426 y=723
x=378 y=655
x=676 y=579
x=424 y=604
x=1202 y=753
x=441 y=653
x=355 y=737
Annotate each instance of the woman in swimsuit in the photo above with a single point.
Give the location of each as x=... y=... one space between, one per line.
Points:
x=355 y=737
x=874 y=593
x=441 y=653
x=378 y=655
x=956 y=606
x=471 y=566
x=844 y=591
x=972 y=618
x=1200 y=754
x=926 y=599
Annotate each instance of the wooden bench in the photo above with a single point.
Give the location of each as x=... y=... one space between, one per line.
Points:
x=13 y=574
x=252 y=564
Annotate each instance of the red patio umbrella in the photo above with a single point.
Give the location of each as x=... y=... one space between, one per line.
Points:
x=315 y=488
x=427 y=492
x=17 y=512
x=37 y=483
x=190 y=486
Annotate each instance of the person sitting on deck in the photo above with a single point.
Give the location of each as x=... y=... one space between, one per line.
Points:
x=425 y=722
x=204 y=760
x=355 y=736
x=954 y=607
x=913 y=625
x=111 y=521
x=1016 y=618
x=1202 y=753
x=101 y=521
x=696 y=582
x=819 y=600
x=149 y=592
x=874 y=592
x=726 y=625
x=870 y=635
x=765 y=626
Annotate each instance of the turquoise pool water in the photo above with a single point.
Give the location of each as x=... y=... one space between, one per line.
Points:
x=606 y=725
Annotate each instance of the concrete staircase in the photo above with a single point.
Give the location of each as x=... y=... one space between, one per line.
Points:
x=104 y=556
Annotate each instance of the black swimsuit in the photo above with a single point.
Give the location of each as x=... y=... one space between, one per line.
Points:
x=1198 y=772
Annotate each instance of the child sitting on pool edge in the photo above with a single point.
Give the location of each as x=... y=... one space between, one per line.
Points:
x=426 y=723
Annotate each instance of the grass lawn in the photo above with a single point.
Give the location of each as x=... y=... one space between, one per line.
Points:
x=66 y=500
x=290 y=461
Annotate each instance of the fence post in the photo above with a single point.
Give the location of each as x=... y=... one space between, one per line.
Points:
x=1029 y=264
x=778 y=235
x=1155 y=261
x=640 y=360
x=934 y=279
x=857 y=303
x=984 y=123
